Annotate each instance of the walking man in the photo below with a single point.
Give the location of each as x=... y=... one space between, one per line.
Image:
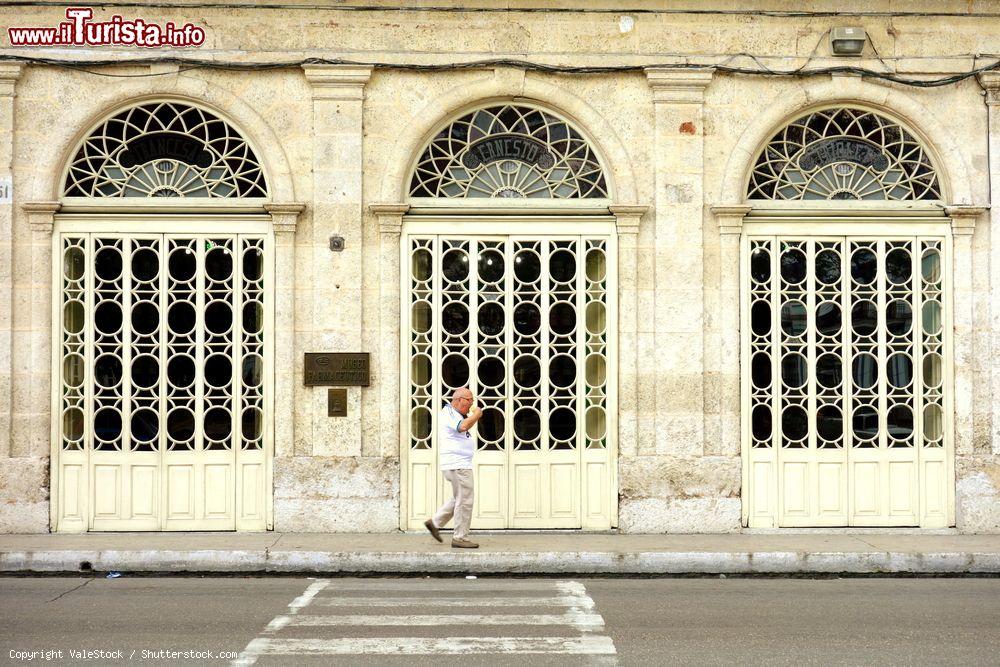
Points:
x=455 y=449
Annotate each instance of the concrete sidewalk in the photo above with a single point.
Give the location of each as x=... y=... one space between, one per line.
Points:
x=510 y=553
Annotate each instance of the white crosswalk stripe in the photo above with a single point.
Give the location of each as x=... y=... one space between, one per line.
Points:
x=328 y=620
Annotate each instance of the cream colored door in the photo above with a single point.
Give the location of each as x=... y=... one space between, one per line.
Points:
x=163 y=366
x=844 y=380
x=521 y=320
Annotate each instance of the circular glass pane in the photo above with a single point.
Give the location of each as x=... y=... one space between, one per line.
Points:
x=760 y=370
x=898 y=266
x=930 y=266
x=145 y=371
x=828 y=267
x=219 y=317
x=252 y=423
x=761 y=424
x=596 y=370
x=421 y=264
x=527 y=425
x=421 y=317
x=793 y=266
x=597 y=423
x=455 y=318
x=73 y=263
x=794 y=425
x=760 y=265
x=527 y=267
x=932 y=369
x=107 y=317
x=107 y=424
x=253 y=265
x=253 y=370
x=933 y=425
x=455 y=265
x=420 y=370
x=420 y=423
x=932 y=317
x=760 y=318
x=491 y=318
x=219 y=264
x=73 y=424
x=828 y=318
x=864 y=318
x=898 y=317
x=218 y=370
x=145 y=318
x=455 y=371
x=491 y=427
x=562 y=318
x=73 y=373
x=491 y=372
x=218 y=424
x=181 y=318
x=180 y=371
x=899 y=421
x=597 y=265
x=562 y=266
x=829 y=371
x=145 y=265
x=794 y=370
x=490 y=266
x=864 y=370
x=526 y=319
x=180 y=425
x=253 y=317
x=562 y=371
x=108 y=371
x=865 y=424
x=829 y=423
x=562 y=424
x=899 y=370
x=793 y=318
x=73 y=315
x=108 y=264
x=145 y=425
x=182 y=265
x=527 y=371
x=596 y=317
x=864 y=266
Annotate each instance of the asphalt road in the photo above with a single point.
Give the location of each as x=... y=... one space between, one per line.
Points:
x=490 y=621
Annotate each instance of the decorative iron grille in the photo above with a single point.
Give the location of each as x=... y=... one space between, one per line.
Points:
x=846 y=154
x=165 y=149
x=509 y=151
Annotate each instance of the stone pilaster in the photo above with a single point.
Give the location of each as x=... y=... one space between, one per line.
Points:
x=991 y=81
x=337 y=295
x=676 y=298
x=8 y=77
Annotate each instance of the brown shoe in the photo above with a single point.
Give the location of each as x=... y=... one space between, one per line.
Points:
x=463 y=544
x=429 y=524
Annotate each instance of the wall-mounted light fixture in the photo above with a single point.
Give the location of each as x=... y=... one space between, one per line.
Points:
x=336 y=243
x=847 y=41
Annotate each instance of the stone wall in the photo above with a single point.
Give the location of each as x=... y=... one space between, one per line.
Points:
x=341 y=138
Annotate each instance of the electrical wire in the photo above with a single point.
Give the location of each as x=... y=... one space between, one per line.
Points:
x=87 y=66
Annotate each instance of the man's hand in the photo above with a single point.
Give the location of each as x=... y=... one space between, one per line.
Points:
x=470 y=419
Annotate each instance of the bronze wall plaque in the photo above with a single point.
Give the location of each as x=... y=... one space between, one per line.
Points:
x=337 y=369
x=336 y=402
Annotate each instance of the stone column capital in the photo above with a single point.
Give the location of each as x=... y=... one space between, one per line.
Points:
x=730 y=217
x=678 y=85
x=991 y=82
x=9 y=74
x=627 y=218
x=964 y=218
x=41 y=215
x=390 y=217
x=284 y=216
x=337 y=82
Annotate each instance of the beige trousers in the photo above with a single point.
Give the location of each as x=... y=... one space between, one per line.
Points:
x=459 y=505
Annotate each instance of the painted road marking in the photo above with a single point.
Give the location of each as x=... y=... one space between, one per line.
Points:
x=587 y=644
x=557 y=601
x=580 y=621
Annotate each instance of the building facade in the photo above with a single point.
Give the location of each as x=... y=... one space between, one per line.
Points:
x=690 y=293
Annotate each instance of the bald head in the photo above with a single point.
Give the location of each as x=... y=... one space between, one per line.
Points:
x=461 y=400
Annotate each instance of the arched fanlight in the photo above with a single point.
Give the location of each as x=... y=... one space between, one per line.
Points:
x=509 y=151
x=165 y=149
x=843 y=154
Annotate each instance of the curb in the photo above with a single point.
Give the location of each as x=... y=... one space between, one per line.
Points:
x=535 y=562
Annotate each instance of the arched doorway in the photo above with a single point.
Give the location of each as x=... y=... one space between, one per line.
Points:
x=846 y=327
x=163 y=296
x=509 y=276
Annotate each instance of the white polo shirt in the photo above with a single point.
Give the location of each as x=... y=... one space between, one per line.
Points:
x=455 y=447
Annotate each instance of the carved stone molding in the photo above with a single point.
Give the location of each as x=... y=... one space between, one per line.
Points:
x=9 y=74
x=964 y=218
x=678 y=85
x=390 y=217
x=991 y=82
x=284 y=216
x=730 y=218
x=41 y=215
x=337 y=82
x=627 y=218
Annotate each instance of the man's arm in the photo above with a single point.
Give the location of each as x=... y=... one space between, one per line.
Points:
x=470 y=421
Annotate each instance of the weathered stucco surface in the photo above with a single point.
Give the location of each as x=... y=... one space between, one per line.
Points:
x=675 y=142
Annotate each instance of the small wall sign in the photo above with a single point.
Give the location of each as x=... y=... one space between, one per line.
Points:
x=336 y=402
x=337 y=369
x=6 y=190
